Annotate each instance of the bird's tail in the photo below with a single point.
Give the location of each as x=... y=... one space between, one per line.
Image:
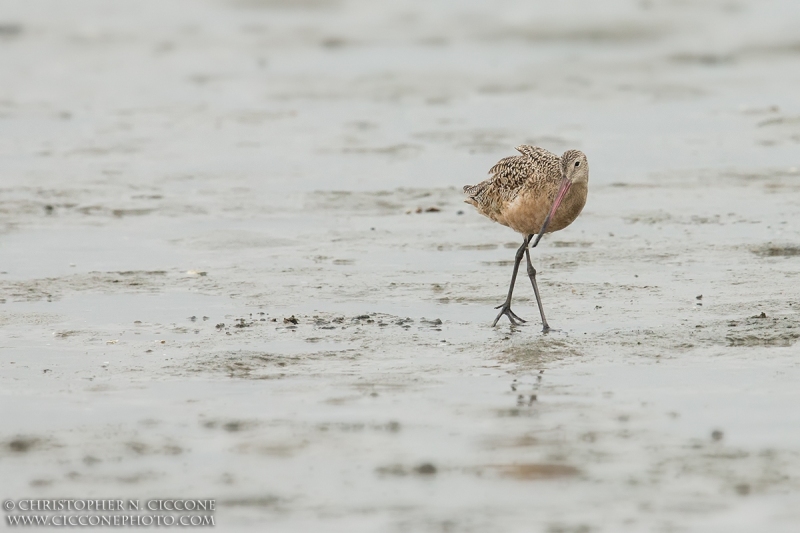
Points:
x=472 y=190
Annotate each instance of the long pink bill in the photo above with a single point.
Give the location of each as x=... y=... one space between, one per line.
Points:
x=562 y=192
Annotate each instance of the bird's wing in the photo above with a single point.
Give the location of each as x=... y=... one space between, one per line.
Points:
x=511 y=174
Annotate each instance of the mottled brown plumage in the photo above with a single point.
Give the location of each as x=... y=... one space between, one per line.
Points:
x=522 y=189
x=535 y=192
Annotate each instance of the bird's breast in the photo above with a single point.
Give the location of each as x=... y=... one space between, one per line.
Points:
x=570 y=207
x=526 y=213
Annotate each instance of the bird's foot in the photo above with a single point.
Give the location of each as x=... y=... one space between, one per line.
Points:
x=505 y=309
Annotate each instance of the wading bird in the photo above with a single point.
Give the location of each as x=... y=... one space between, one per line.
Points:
x=536 y=191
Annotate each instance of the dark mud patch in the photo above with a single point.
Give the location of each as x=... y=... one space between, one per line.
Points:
x=131 y=212
x=9 y=30
x=774 y=250
x=80 y=205
x=754 y=330
x=140 y=477
x=272 y=449
x=661 y=218
x=149 y=281
x=650 y=218
x=234 y=240
x=790 y=48
x=478 y=247
x=142 y=448
x=619 y=32
x=299 y=340
x=521 y=441
x=737 y=470
x=664 y=91
x=771 y=178
x=393 y=202
x=231 y=426
x=563 y=265
x=17 y=208
x=400 y=470
x=703 y=59
x=501 y=263
x=29 y=319
x=508 y=88
x=761 y=330
x=534 y=354
x=359 y=427
x=779 y=121
x=261 y=502
x=571 y=244
x=262 y=365
x=396 y=150
x=312 y=345
x=23 y=444
x=334 y=322
x=534 y=471
x=64 y=334
x=475 y=140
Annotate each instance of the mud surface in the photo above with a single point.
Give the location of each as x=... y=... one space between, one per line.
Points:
x=236 y=263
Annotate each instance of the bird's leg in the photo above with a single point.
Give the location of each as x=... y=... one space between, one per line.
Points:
x=532 y=275
x=505 y=308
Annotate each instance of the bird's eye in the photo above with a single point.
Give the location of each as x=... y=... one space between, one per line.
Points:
x=577 y=163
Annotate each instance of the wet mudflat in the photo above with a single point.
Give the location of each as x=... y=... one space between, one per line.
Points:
x=236 y=263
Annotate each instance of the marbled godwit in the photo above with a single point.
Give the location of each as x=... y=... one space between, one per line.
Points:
x=524 y=193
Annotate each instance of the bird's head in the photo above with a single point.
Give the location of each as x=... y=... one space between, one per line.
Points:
x=574 y=171
x=575 y=167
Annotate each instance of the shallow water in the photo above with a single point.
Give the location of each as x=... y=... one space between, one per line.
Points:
x=182 y=179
